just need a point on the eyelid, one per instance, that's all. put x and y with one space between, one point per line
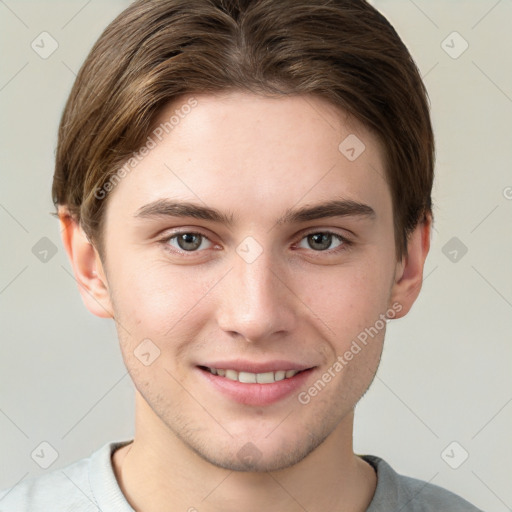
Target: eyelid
330 231
165 239
346 241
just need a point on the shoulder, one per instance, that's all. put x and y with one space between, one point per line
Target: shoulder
59 490
62 490
399 492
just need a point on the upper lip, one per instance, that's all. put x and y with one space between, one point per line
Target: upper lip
241 365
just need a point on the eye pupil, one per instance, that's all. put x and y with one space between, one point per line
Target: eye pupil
189 241
322 239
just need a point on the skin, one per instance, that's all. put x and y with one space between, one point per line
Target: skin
253 157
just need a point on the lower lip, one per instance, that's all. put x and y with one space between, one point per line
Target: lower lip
257 394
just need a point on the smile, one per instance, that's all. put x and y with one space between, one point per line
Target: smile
256 384
253 378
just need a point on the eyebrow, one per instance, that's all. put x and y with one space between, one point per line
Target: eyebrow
335 208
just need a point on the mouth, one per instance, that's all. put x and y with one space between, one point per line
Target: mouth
255 384
252 378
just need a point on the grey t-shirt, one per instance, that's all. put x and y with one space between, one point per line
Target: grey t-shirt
90 485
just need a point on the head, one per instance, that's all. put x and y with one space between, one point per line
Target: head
247 181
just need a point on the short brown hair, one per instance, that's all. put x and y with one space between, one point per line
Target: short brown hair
344 51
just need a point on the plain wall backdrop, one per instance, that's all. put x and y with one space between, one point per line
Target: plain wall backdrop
440 408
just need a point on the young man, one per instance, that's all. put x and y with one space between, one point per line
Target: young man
244 187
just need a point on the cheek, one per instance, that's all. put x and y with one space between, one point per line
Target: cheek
347 300
152 300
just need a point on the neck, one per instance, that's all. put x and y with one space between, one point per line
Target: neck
157 471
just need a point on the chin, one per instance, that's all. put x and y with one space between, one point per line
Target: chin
259 456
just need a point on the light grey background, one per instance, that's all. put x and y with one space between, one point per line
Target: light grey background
446 370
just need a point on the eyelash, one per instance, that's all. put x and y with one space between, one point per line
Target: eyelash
344 246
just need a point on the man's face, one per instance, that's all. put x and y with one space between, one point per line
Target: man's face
257 296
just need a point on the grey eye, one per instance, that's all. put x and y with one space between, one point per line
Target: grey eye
322 241
189 242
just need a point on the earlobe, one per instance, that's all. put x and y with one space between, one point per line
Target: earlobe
409 272
87 267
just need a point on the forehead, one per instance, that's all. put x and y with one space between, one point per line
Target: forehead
249 152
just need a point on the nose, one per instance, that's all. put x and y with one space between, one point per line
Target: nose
254 302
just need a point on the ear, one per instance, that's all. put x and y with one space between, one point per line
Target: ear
409 271
87 267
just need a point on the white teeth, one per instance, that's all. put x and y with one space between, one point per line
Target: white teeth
246 377
280 375
253 378
265 378
231 374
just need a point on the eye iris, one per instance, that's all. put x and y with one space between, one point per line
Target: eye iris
323 239
189 241
192 241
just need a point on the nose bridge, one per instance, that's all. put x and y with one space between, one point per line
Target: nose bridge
253 301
